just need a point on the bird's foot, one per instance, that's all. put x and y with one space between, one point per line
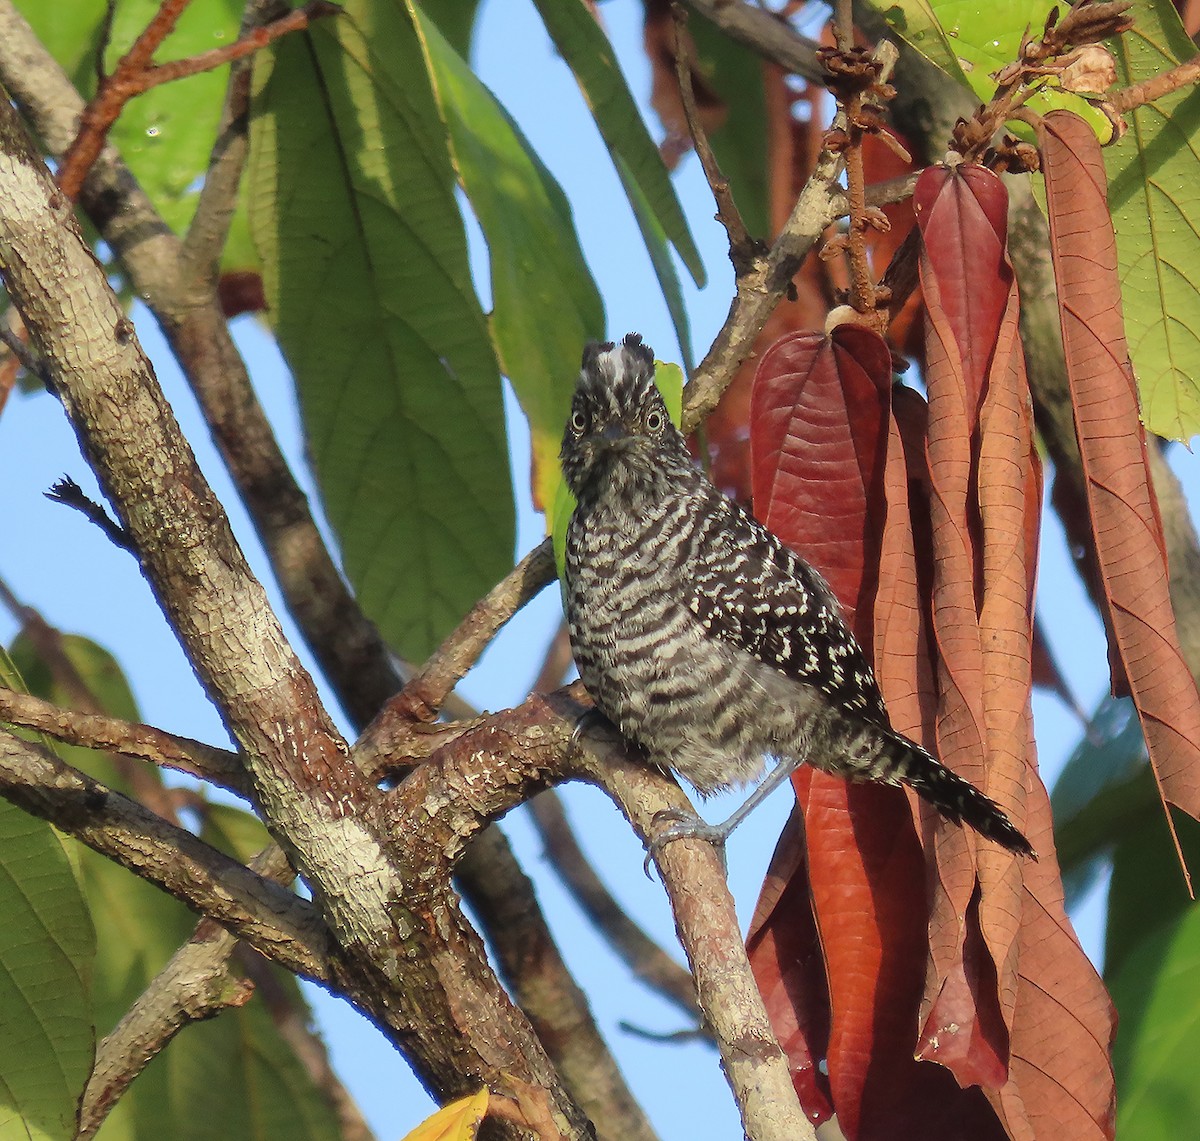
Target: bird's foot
673 824
588 719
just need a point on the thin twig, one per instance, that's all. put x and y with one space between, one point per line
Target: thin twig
422 698
31 363
743 248
67 492
1156 86
129 738
135 74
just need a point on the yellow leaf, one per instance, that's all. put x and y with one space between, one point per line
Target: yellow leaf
458 1121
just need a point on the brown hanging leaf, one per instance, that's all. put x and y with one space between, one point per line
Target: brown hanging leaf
1126 528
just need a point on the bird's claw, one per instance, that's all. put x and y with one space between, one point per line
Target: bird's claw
588 719
671 824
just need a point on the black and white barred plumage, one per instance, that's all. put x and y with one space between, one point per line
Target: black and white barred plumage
699 634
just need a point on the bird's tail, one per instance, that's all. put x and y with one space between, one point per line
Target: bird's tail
953 797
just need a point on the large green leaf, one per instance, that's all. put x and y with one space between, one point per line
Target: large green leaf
1154 194
365 268
970 41
590 56
232 1077
455 20
1157 991
545 304
47 946
1105 791
167 134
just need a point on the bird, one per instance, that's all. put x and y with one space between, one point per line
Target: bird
703 638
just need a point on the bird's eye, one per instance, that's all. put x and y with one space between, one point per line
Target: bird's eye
578 422
654 421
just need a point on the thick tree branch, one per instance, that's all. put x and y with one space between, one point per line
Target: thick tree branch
281 925
491 769
176 284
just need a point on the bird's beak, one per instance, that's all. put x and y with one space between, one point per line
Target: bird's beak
611 433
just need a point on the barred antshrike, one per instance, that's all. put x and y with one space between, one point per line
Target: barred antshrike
700 635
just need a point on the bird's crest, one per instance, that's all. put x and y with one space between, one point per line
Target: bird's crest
617 378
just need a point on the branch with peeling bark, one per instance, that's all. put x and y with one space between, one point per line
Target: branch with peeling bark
495 766
97 731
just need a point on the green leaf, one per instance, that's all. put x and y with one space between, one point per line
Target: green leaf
365 268
47 946
669 378
1154 195
660 258
455 20
232 1077
590 56
1157 991
545 303
971 41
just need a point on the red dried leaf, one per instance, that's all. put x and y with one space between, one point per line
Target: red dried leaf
1125 524
819 432
785 954
970 340
820 428
1060 1072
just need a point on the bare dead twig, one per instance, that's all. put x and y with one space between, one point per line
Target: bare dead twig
135 73
67 492
743 249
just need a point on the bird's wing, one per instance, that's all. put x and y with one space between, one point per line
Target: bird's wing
758 595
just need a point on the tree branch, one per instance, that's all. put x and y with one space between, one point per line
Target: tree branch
491 769
196 983
426 980
766 33
96 731
284 927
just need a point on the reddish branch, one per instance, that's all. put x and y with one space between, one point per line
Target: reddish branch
136 73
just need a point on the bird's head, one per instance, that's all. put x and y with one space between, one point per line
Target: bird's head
619 436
